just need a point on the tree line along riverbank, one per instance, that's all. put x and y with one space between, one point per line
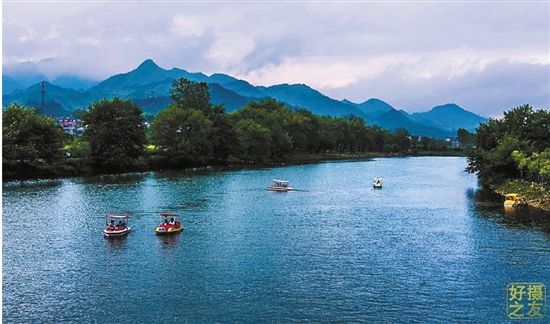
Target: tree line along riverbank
191 132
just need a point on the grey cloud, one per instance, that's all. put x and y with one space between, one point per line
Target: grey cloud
271 52
501 86
100 39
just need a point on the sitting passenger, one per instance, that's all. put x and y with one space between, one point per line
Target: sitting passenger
172 222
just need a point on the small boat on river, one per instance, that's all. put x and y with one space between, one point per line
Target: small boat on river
280 185
377 183
512 200
121 228
171 226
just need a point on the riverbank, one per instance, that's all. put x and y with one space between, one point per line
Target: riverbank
304 158
80 167
531 193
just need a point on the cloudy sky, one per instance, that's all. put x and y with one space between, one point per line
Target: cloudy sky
485 56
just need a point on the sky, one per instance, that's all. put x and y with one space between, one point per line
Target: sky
485 56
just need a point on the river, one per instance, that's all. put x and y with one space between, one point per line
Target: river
429 247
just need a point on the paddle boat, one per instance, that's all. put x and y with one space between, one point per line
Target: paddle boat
280 185
512 200
120 228
377 183
169 226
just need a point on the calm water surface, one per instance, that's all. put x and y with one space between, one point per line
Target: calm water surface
428 247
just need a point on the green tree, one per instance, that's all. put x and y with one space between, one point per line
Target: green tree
31 143
115 130
327 137
357 133
224 137
187 94
537 166
465 138
271 115
378 138
523 130
252 139
304 128
401 140
182 136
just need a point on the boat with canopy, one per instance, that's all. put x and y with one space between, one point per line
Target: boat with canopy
377 182
116 225
280 185
169 226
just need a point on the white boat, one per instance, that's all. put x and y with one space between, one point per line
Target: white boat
377 183
280 185
119 229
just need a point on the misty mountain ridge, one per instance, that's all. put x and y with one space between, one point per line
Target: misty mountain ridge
149 86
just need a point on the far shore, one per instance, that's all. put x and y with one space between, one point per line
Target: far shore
293 158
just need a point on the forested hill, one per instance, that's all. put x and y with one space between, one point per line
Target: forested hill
148 86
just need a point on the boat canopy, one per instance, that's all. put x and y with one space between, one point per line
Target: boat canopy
281 181
511 195
117 216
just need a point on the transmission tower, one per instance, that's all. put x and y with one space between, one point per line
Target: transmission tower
43 96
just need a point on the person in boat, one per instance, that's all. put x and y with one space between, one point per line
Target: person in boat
165 221
112 224
172 222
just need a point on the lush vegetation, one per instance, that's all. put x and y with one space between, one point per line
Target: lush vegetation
190 132
31 143
514 147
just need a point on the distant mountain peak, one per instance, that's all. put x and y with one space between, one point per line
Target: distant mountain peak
451 117
374 106
448 106
375 100
150 85
148 65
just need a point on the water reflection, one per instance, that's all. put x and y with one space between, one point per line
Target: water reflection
116 178
430 246
489 205
35 184
117 241
527 217
168 240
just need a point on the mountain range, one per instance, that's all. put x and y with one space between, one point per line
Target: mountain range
149 87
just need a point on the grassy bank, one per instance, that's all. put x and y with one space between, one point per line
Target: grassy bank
531 193
302 157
